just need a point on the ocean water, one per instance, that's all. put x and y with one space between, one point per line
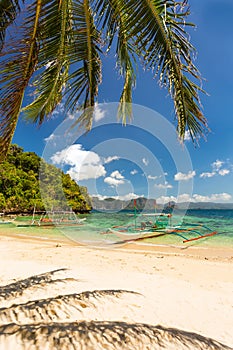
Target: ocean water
94 230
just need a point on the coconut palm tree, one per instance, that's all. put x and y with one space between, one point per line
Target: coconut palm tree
54 48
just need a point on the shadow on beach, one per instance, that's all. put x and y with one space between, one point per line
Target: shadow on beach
88 320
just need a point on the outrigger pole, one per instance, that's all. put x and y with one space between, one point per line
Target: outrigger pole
177 232
199 237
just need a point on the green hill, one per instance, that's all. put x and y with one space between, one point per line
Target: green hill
20 187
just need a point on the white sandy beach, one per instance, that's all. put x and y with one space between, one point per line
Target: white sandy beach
189 290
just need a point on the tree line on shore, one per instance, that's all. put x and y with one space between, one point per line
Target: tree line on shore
24 176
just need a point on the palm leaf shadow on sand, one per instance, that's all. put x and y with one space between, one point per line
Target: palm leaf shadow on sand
102 335
17 288
86 305
42 324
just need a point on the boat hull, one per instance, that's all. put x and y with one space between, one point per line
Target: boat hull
128 235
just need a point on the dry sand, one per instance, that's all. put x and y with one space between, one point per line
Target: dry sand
114 299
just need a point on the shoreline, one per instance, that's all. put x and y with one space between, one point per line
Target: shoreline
199 252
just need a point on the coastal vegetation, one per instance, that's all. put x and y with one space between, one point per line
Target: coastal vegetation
20 185
53 51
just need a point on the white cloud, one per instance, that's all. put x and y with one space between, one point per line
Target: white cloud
70 116
87 171
165 185
207 174
134 172
224 172
217 164
84 164
112 181
125 197
145 161
165 199
67 155
200 198
151 177
110 159
184 177
217 170
187 136
115 179
116 174
50 138
98 113
221 197
184 197
60 109
128 197
216 197
99 196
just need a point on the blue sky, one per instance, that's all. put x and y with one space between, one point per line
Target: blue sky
148 167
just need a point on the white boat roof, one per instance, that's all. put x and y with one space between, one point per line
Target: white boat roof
153 214
157 214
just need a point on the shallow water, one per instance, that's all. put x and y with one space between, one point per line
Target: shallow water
91 232
216 220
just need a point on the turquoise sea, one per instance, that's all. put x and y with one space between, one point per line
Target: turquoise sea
92 232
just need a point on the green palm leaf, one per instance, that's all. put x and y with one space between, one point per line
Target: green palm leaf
57 51
112 18
9 10
16 67
86 70
53 60
159 29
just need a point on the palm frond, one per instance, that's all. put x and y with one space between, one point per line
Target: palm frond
53 61
9 10
86 72
112 16
124 61
159 30
61 42
16 68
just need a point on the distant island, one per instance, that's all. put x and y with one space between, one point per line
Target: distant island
20 189
143 203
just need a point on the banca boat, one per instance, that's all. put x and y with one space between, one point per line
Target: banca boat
159 226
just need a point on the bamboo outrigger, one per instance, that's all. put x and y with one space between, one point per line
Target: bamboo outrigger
161 226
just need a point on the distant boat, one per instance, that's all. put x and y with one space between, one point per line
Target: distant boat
54 218
4 221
